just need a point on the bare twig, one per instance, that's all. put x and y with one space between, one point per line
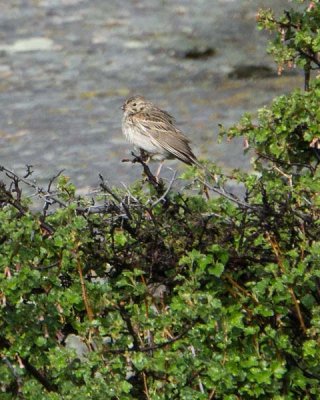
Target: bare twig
282 162
276 249
164 196
287 176
107 188
241 289
44 267
53 179
84 291
29 171
130 195
193 352
23 210
135 336
145 384
40 191
310 57
212 394
228 196
158 185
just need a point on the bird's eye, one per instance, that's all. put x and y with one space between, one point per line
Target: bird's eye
134 104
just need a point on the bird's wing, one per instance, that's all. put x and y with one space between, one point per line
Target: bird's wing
160 128
177 145
156 120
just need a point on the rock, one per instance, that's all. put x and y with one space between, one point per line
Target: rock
30 44
200 53
251 71
77 344
195 53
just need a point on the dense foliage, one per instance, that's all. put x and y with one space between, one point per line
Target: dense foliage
157 293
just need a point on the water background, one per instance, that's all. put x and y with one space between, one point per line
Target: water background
66 67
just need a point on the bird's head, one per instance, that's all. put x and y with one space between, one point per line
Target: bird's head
135 104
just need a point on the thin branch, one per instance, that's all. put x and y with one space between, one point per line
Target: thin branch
212 394
40 191
145 384
135 337
23 210
282 162
305 371
228 196
287 176
41 378
29 171
51 387
130 195
14 373
241 289
158 185
193 352
276 249
164 196
106 188
45 267
310 57
53 179
84 292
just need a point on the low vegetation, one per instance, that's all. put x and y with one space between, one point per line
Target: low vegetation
155 293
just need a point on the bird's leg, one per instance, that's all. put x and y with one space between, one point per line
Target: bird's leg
158 170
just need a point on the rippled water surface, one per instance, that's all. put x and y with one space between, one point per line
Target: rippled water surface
66 66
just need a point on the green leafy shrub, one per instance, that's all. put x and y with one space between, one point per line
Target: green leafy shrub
151 293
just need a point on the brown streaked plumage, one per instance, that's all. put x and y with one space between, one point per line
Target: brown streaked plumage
154 131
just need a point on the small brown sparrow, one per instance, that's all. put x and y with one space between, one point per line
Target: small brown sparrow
154 131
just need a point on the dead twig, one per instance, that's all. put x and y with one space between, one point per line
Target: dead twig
164 196
107 188
40 191
84 290
276 249
241 289
158 185
228 196
282 162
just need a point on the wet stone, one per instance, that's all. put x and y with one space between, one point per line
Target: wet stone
200 53
252 72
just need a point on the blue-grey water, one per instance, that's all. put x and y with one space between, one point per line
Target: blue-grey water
66 67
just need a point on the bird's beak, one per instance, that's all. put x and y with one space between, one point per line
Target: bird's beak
122 107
